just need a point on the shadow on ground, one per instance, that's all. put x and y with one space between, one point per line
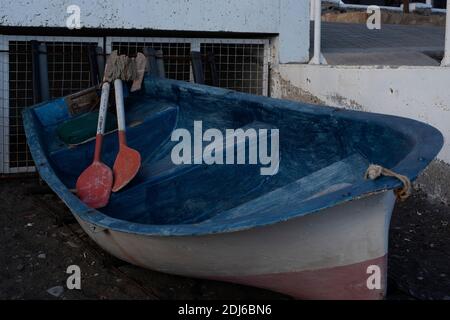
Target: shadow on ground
40 239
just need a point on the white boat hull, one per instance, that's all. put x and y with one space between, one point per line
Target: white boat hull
324 255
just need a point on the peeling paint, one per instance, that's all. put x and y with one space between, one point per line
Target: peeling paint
419 93
344 102
285 90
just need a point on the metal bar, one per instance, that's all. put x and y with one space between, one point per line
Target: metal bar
100 62
197 67
43 72
160 64
212 66
151 67
446 61
93 65
35 71
317 57
4 104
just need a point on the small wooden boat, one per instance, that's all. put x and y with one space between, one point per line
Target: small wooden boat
314 230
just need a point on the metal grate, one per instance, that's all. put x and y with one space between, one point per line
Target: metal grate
68 72
242 64
68 68
240 67
20 96
176 56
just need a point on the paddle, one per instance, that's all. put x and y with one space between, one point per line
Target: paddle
94 184
128 160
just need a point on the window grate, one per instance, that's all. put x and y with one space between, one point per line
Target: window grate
239 66
68 72
68 68
242 65
20 96
176 56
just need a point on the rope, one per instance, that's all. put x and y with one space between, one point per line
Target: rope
375 171
121 67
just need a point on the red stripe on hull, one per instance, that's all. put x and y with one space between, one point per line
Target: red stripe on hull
338 283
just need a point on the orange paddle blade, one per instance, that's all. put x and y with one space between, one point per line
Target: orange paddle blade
94 185
126 167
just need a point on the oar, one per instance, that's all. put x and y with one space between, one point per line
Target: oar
128 160
94 184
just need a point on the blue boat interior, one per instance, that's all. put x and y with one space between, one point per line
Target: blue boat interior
323 151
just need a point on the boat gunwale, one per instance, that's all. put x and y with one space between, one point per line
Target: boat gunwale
427 141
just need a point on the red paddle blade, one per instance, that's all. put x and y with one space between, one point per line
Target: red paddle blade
94 185
126 167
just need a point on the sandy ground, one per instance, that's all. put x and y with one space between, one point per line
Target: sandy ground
39 239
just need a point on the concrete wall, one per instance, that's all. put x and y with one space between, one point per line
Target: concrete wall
420 93
288 18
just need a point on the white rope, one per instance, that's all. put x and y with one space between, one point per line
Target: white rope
121 67
375 171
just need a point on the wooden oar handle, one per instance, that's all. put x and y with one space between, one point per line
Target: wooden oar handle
103 108
118 89
101 121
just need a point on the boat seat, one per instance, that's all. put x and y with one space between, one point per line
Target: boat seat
139 204
339 175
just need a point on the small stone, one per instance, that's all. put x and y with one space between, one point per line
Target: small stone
20 267
28 225
420 278
73 245
42 256
56 291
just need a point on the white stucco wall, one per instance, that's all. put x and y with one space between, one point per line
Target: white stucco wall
288 18
420 93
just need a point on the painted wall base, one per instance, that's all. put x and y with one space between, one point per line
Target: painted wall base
419 93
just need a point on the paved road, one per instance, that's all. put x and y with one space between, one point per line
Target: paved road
349 43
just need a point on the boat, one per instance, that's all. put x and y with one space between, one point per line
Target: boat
314 228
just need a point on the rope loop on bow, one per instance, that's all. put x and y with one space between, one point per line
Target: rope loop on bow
375 171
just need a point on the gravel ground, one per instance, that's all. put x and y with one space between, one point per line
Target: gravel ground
40 239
